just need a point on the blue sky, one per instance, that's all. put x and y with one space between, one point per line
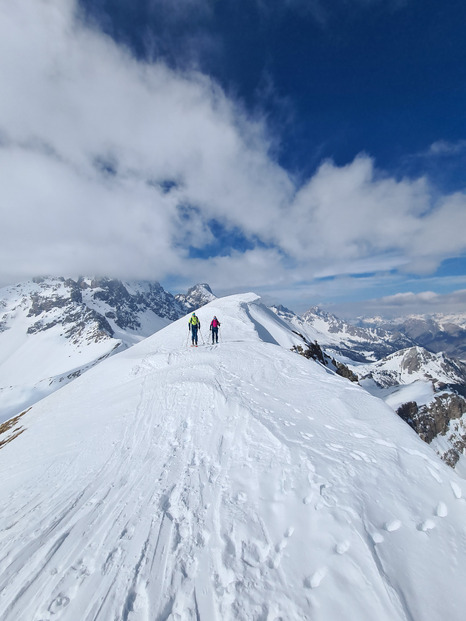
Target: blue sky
311 151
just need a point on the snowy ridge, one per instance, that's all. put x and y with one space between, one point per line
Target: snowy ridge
230 482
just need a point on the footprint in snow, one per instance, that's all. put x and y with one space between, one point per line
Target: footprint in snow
241 498
442 510
426 525
434 475
377 538
312 582
61 601
385 443
392 525
456 490
342 547
360 456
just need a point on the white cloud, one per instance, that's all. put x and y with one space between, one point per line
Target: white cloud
406 303
353 216
72 98
424 302
444 148
88 134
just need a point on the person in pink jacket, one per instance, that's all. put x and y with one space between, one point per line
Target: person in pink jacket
214 326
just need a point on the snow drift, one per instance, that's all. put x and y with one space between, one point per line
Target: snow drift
238 481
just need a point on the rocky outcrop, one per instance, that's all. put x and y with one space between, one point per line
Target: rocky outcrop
344 371
441 417
314 351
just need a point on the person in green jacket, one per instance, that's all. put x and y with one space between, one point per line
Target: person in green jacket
193 326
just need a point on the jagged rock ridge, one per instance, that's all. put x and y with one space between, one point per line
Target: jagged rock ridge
356 343
197 296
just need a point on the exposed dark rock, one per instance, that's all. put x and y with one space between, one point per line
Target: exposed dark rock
344 371
434 418
41 304
197 296
314 351
408 412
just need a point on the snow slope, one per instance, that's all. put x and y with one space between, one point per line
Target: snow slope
231 482
54 329
35 361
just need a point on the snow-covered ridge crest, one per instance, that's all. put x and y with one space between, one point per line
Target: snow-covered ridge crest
233 482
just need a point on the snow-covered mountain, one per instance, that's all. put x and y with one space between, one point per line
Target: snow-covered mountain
197 296
53 329
414 364
426 390
233 482
352 342
438 333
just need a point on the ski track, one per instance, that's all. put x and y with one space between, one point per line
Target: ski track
170 525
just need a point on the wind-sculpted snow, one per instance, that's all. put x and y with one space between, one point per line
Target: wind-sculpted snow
230 482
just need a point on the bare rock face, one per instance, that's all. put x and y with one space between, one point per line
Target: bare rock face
314 351
87 309
441 417
197 296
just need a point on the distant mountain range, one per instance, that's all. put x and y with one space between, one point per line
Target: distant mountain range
438 333
360 344
54 329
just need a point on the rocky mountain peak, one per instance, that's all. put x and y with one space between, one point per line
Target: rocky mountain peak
197 296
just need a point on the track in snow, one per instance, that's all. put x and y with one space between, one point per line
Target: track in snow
218 483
